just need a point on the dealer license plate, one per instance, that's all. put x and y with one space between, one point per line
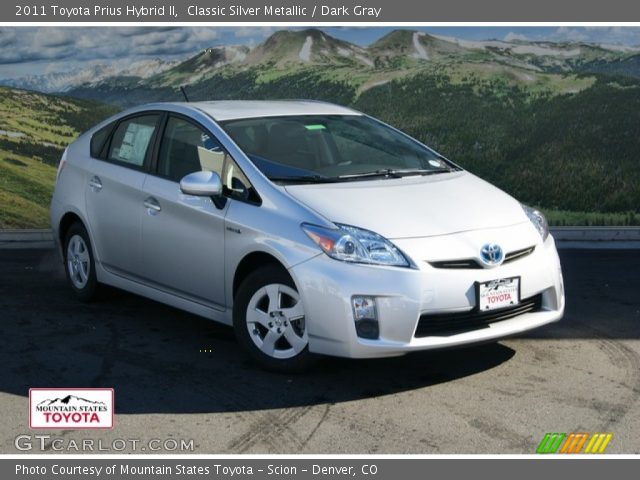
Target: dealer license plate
496 294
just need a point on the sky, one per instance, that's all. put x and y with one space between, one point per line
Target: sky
41 50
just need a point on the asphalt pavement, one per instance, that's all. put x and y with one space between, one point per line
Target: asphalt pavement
177 376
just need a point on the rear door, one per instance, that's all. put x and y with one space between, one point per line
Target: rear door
114 196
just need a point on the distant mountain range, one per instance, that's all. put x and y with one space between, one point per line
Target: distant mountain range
92 75
556 124
402 50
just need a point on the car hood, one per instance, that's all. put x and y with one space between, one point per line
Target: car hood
413 207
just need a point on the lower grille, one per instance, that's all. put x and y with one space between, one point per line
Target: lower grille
467 263
447 324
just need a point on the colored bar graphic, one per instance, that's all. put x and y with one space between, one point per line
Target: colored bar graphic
569 443
550 442
598 443
581 442
574 442
590 444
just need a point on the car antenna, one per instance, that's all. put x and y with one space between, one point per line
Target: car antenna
184 93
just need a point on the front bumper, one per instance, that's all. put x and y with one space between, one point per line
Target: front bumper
403 295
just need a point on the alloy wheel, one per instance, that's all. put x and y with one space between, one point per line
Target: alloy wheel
275 320
78 262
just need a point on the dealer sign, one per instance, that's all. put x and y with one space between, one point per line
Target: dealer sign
70 408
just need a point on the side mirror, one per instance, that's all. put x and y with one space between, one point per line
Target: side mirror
202 184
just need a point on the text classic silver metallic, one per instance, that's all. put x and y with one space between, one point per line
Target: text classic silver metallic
309 227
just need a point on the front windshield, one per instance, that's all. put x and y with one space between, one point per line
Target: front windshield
330 148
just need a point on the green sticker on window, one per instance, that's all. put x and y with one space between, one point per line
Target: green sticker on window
315 127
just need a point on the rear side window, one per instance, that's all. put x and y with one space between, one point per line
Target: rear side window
98 140
132 139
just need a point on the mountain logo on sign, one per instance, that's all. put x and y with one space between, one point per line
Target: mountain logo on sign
71 408
69 400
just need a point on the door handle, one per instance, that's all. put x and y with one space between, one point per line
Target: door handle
152 205
95 184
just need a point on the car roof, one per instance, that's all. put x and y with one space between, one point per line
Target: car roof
237 109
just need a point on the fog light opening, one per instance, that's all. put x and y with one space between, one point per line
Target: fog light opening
365 316
368 329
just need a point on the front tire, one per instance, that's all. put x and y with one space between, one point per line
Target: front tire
269 321
79 263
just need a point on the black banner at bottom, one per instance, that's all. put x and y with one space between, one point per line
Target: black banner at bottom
321 468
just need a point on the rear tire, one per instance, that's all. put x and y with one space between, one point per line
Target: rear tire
269 321
79 264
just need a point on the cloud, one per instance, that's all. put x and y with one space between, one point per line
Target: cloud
53 38
7 37
570 34
137 31
170 38
205 34
612 35
81 44
512 36
39 48
245 32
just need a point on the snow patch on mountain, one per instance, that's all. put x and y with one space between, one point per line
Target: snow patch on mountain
519 48
239 55
543 51
619 48
365 60
305 51
420 50
478 45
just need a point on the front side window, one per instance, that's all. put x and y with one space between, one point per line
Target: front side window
328 147
186 148
131 140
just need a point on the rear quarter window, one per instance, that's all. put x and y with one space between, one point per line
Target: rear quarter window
132 138
99 139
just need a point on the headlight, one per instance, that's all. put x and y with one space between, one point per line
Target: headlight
538 220
352 244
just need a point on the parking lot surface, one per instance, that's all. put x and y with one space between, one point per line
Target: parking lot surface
178 376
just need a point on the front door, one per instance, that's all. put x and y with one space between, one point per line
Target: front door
183 235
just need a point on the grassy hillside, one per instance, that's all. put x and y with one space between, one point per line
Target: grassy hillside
555 124
34 129
576 152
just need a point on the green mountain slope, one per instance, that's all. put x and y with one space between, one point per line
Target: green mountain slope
628 66
34 129
314 56
555 124
571 152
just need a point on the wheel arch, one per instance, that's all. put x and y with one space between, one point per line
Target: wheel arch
65 223
251 262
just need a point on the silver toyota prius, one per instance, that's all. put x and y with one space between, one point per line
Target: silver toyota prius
310 227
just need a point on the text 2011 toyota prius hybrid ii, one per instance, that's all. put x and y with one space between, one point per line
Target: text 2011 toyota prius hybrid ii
309 227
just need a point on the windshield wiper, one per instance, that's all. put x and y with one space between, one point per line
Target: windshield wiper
305 179
399 173
386 173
